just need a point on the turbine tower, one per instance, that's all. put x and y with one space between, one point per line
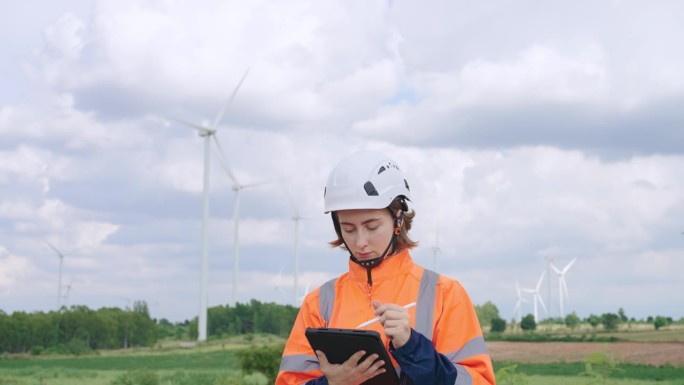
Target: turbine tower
207 133
549 262
237 187
562 286
296 218
59 282
435 251
537 297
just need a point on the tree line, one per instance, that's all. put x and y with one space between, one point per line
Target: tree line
78 329
488 314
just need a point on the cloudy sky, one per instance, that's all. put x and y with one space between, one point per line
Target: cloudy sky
528 131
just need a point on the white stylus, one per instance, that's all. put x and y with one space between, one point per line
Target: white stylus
376 319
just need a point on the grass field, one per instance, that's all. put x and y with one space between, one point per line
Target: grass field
215 363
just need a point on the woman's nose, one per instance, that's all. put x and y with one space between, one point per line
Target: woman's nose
361 239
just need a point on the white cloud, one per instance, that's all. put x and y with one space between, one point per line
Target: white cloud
521 137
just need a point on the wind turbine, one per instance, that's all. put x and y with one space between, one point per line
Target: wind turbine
537 297
518 304
435 251
296 218
237 187
306 291
562 286
277 285
61 265
207 133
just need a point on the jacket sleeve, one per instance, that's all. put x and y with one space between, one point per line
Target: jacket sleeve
458 337
420 362
299 364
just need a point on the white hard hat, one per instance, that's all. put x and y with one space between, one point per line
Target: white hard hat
365 180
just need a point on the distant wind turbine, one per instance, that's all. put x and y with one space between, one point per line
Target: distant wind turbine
207 133
300 300
296 218
277 285
518 304
435 251
537 297
562 286
237 187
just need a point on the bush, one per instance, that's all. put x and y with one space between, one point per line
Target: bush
261 359
599 366
661 321
572 320
508 376
610 321
196 378
528 322
138 377
255 379
498 325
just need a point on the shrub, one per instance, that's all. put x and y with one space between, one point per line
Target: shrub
261 359
599 366
508 376
572 320
528 322
610 321
255 379
661 321
498 325
138 377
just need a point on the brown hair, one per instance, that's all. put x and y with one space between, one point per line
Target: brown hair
403 240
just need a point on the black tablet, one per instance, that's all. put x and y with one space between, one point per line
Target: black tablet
340 344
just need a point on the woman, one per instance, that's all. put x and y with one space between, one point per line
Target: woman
439 341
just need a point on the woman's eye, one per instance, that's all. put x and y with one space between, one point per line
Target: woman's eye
373 228
348 230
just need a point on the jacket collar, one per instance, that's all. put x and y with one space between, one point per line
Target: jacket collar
389 268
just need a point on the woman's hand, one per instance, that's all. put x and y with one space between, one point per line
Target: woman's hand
396 321
353 371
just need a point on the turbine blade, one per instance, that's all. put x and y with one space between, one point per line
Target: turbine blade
201 129
230 101
567 267
262 182
555 268
541 301
223 161
541 278
53 248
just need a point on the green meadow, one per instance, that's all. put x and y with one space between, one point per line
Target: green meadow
216 363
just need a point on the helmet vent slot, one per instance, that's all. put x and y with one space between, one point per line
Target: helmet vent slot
370 189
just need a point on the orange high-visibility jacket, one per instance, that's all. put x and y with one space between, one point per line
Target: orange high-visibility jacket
444 314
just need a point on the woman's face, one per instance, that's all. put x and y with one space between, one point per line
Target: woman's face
366 232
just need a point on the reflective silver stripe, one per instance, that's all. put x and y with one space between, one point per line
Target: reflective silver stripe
425 308
299 363
473 347
326 300
462 376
